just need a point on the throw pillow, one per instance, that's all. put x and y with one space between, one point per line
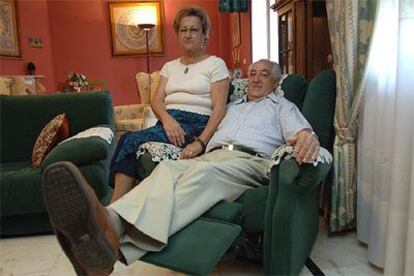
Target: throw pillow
55 131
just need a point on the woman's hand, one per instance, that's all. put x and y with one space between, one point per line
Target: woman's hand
175 133
191 150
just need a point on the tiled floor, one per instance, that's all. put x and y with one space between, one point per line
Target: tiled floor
41 255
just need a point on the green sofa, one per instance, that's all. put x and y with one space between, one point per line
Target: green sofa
280 220
22 119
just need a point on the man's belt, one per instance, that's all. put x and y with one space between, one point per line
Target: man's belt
238 148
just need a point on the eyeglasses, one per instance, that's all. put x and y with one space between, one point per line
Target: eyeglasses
191 31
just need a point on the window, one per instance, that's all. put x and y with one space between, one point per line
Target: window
264 31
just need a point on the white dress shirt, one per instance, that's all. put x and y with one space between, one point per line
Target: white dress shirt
261 125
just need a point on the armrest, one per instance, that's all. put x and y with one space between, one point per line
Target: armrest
291 216
129 112
79 151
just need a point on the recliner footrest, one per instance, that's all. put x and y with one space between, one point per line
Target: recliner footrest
226 211
197 248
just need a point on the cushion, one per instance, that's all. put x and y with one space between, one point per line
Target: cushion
197 248
55 130
19 190
238 89
130 125
142 83
80 152
294 87
5 85
18 86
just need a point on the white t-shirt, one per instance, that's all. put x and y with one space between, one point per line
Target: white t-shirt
188 87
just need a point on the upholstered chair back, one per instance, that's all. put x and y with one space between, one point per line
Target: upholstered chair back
143 79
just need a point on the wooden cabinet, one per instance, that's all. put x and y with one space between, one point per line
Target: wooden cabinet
304 44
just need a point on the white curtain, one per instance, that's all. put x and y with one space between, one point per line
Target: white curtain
385 218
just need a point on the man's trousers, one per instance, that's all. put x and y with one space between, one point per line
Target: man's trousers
178 192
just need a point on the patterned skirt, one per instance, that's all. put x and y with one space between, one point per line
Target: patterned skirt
125 160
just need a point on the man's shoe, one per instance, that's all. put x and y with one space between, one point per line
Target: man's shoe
82 225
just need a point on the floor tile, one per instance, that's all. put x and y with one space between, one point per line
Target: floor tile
41 255
354 270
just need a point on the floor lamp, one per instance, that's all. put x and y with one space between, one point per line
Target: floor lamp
146 20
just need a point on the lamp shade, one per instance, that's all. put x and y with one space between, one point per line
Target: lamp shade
146 15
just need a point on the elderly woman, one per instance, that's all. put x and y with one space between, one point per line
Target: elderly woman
189 103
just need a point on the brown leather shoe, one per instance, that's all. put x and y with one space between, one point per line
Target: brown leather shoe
82 225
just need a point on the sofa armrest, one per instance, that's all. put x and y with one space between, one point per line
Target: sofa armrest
292 215
80 151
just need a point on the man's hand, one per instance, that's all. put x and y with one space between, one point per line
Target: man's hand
306 146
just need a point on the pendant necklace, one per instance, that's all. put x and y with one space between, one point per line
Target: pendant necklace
186 70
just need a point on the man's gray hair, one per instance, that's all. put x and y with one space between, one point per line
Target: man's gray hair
275 70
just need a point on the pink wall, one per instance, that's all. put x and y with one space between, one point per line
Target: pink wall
81 41
76 37
33 21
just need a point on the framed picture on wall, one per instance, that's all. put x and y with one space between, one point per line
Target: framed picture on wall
235 29
9 32
127 37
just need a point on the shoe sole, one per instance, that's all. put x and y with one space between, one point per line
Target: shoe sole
73 217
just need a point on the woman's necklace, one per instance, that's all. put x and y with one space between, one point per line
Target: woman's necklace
187 66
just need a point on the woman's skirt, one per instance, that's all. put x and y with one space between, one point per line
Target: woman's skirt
125 160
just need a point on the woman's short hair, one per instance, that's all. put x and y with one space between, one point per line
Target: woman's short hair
193 11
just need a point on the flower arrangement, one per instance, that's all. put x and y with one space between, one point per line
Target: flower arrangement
75 82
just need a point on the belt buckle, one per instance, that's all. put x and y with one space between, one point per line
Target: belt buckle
228 147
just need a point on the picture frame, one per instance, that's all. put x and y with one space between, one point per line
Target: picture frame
235 29
9 35
129 39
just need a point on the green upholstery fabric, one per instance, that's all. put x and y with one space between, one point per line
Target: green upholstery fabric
18 225
319 106
78 151
225 211
253 202
20 189
295 87
291 216
197 248
22 119
146 166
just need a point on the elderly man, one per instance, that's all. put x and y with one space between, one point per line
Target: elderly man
177 192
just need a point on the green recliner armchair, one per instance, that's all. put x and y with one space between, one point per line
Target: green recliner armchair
281 219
